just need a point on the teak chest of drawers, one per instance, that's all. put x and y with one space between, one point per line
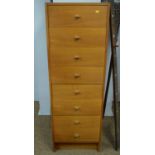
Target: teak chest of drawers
77 38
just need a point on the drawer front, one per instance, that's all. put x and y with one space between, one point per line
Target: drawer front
76 92
76 128
77 37
77 56
74 75
77 16
77 107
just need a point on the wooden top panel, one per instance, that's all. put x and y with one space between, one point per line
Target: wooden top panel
80 4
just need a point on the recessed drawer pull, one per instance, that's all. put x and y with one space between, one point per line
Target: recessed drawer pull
76 75
77 16
76 38
76 92
76 108
76 135
76 122
76 57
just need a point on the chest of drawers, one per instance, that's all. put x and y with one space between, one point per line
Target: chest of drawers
77 38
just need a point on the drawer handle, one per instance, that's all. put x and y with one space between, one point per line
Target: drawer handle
76 75
76 108
76 92
76 122
76 38
77 16
76 57
76 135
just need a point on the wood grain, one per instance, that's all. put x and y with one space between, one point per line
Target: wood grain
77 39
76 145
77 56
107 4
88 16
77 75
77 92
65 37
87 130
66 99
62 108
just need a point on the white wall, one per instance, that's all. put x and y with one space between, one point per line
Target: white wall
41 90
41 84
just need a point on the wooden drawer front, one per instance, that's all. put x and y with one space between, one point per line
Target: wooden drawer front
77 56
76 128
77 16
77 37
83 75
76 92
77 107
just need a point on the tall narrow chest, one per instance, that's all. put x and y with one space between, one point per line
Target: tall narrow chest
77 38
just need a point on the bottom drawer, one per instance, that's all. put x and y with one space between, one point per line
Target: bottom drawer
76 129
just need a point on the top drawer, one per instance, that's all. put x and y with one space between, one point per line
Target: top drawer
77 16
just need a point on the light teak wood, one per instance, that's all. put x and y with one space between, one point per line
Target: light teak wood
74 75
67 129
77 37
77 99
76 145
79 16
77 56
77 107
77 92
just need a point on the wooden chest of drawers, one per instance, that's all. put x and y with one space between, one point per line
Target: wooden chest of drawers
77 38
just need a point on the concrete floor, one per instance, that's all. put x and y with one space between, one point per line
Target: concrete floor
43 144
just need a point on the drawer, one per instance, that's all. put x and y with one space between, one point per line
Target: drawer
77 56
76 128
77 99
76 92
74 107
77 16
77 37
77 75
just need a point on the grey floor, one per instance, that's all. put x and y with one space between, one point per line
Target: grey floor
42 139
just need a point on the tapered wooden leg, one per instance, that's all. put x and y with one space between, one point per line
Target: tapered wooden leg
99 147
54 147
